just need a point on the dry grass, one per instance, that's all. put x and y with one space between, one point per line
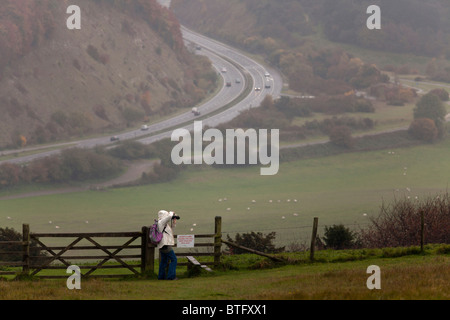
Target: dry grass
412 277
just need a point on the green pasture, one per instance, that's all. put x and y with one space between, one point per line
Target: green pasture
338 275
385 118
347 189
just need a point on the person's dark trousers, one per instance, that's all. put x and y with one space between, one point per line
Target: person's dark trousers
165 257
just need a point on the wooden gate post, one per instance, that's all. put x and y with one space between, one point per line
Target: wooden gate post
217 241
26 248
147 253
422 230
313 239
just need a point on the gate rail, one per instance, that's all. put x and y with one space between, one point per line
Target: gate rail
57 256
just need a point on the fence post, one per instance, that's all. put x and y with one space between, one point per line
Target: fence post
422 230
313 239
26 248
147 253
217 241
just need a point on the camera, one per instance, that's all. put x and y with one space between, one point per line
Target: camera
175 217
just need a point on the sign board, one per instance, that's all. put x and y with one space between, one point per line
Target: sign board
185 241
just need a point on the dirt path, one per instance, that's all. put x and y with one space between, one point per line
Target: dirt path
134 172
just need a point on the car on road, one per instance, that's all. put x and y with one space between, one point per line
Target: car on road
257 89
144 127
228 83
115 138
266 74
237 80
224 70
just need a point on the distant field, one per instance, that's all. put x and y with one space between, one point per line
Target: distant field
338 189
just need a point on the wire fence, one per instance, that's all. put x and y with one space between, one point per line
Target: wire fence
294 237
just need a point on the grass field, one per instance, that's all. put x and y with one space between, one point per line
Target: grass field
341 275
337 189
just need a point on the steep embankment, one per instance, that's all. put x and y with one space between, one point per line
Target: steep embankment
126 65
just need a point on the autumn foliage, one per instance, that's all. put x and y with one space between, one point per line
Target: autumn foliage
72 165
424 129
399 224
24 24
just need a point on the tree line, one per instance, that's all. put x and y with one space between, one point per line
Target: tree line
75 164
79 164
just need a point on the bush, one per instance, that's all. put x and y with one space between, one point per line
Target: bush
341 136
162 172
424 129
47 170
430 106
441 93
93 52
338 237
256 241
399 224
132 150
10 175
293 107
9 234
81 164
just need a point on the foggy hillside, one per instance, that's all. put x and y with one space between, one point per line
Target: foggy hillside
126 65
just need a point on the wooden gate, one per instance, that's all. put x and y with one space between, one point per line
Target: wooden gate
109 253
139 258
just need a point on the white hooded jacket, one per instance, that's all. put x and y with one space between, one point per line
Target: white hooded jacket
165 220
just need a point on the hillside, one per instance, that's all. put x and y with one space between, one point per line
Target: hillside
126 65
304 38
408 26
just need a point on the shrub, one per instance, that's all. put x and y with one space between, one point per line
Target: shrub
293 107
441 93
256 241
399 224
47 170
9 234
341 136
338 237
80 164
131 115
363 105
9 175
131 150
161 173
430 106
93 52
424 129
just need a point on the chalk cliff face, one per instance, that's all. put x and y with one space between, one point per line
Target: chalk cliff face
127 64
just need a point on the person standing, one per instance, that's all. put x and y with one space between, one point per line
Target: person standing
166 222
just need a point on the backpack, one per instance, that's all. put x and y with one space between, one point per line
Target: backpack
154 235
